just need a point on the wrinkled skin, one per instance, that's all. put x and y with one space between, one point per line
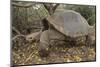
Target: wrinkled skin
53 37
47 39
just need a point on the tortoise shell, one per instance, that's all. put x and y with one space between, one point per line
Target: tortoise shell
69 22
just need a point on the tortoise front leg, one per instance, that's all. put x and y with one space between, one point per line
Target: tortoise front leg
44 44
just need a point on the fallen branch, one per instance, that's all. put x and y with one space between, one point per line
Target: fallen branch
30 56
18 36
29 37
50 7
13 28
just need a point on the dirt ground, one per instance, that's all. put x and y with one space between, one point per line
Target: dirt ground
27 53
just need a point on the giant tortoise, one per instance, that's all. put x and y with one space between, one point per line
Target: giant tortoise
65 27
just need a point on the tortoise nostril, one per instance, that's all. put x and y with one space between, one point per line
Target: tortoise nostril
30 38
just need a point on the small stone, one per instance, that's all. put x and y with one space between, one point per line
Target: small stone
39 60
68 60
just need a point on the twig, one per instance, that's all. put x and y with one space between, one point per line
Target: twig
13 28
18 36
90 17
29 57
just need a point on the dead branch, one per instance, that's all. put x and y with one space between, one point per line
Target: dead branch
50 7
13 28
27 59
47 6
20 35
55 7
90 17
29 37
34 27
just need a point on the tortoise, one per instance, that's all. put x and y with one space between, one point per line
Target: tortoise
65 27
